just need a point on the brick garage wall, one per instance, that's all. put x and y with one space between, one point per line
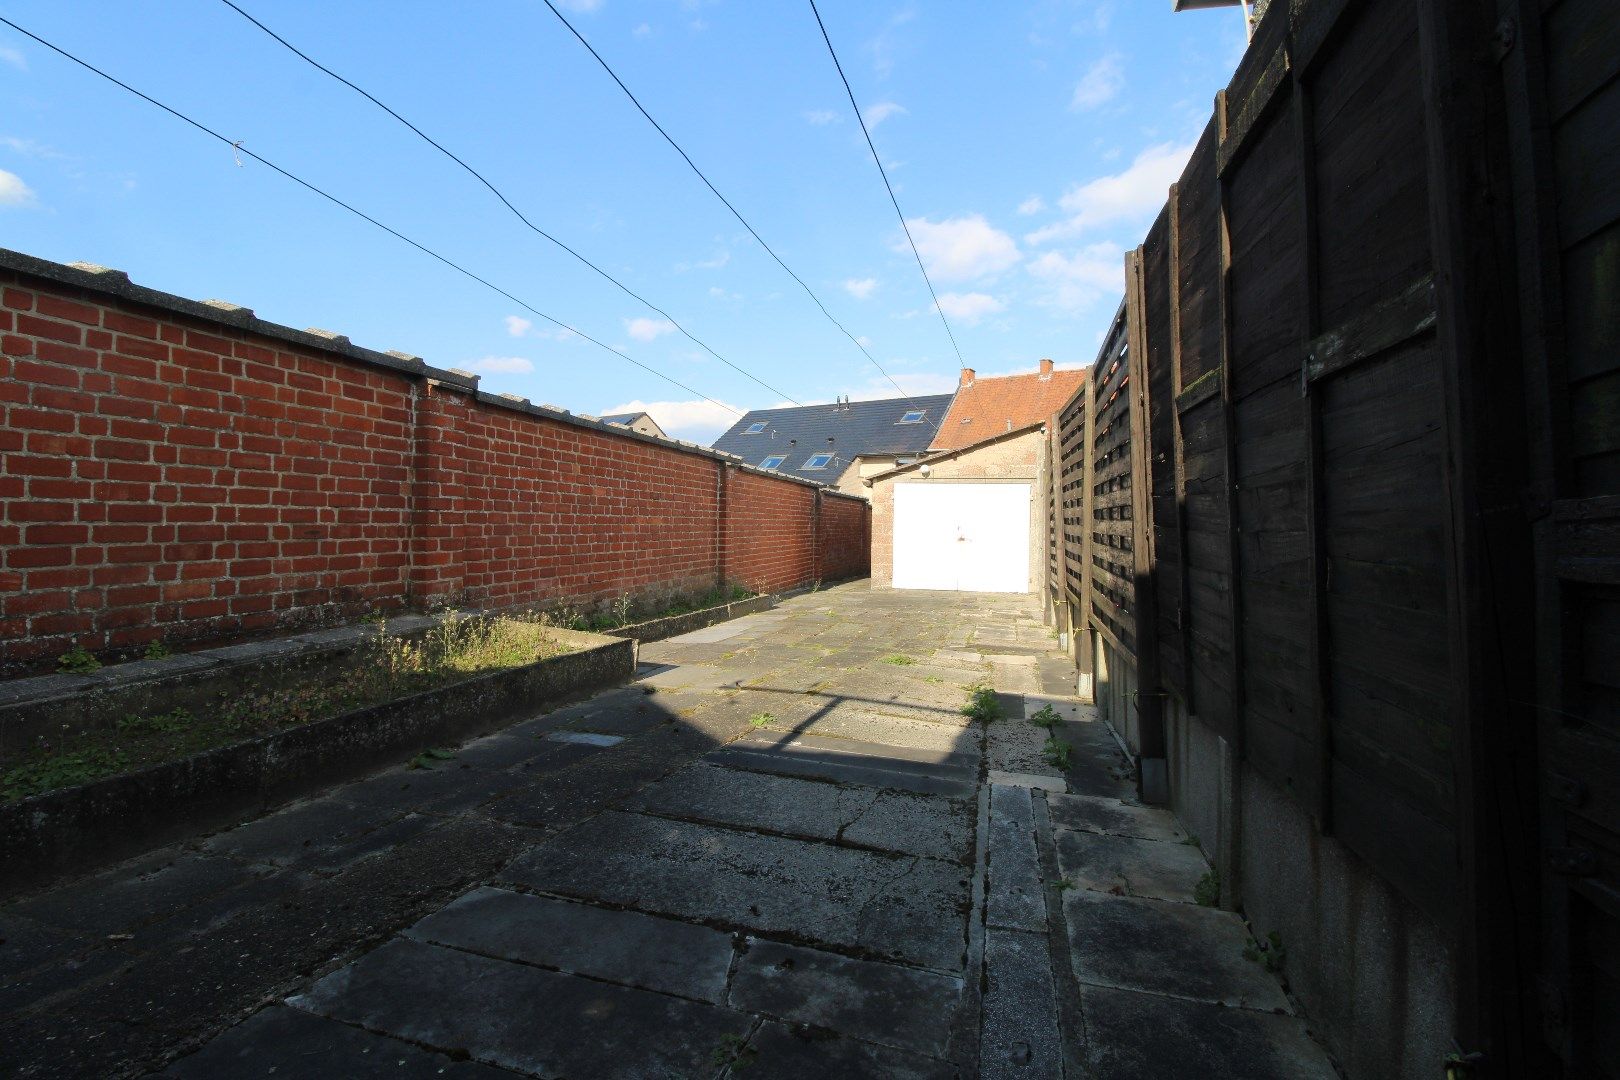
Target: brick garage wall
175 471
845 539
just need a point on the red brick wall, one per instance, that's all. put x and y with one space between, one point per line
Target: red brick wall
167 477
845 543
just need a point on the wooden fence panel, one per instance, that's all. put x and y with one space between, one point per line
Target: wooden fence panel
1200 405
1111 600
1373 371
1270 433
1163 455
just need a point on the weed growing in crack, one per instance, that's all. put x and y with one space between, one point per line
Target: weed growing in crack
426 758
1047 718
1208 890
899 660
1269 954
1064 885
733 1051
982 704
935 679
760 720
77 661
157 651
1057 752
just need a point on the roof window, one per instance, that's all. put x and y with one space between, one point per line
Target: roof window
913 416
755 429
818 461
773 462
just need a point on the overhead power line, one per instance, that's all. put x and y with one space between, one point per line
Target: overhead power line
724 201
290 47
888 186
237 146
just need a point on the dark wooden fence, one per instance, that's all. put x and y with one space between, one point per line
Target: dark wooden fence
1344 485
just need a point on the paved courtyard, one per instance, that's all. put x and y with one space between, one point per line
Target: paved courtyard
782 852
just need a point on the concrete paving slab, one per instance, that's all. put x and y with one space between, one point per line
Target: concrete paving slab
624 947
1035 781
289 1044
443 787
1131 1036
700 677
1017 746
1019 1037
845 720
889 820
1090 813
952 759
135 893
1066 707
1168 948
844 768
1164 871
794 1052
319 834
584 738
904 907
1015 897
881 1003
603 778
504 750
710 634
522 1018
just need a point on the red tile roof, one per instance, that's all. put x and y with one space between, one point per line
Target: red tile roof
987 407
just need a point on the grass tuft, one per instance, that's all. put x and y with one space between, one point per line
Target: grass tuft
982 704
899 660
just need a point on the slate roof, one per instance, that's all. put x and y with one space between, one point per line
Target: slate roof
984 408
625 418
857 428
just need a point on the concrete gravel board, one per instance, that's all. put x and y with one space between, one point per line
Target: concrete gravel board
522 1018
902 907
1156 945
881 1003
625 947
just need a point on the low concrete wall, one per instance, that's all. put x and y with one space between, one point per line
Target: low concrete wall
1372 972
75 829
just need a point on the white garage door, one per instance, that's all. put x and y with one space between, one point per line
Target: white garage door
968 537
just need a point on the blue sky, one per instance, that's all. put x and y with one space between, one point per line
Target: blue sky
1030 145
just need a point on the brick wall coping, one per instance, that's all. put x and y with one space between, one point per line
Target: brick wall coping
116 283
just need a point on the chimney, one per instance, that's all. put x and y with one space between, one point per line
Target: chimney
1046 369
967 376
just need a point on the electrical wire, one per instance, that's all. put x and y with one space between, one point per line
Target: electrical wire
887 186
290 47
724 201
237 146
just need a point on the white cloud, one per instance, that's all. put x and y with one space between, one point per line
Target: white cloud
1135 193
913 383
860 288
961 248
1101 83
714 262
717 293
13 57
821 117
13 192
580 5
969 307
642 29
1075 281
863 341
1032 205
695 421
876 114
33 149
517 325
502 365
644 329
